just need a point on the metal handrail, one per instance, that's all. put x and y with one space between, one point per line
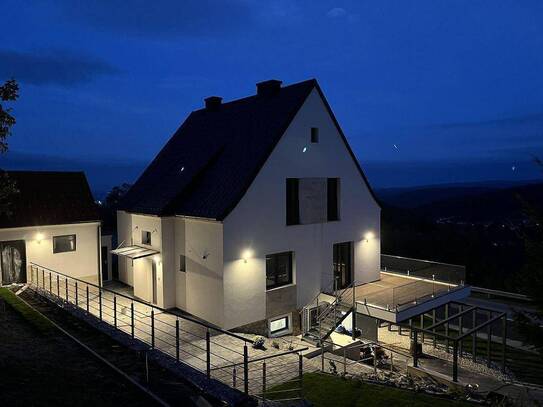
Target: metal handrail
194 320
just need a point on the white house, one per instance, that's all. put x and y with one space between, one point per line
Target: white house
53 222
249 211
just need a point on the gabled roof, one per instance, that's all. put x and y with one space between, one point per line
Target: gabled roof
209 163
49 198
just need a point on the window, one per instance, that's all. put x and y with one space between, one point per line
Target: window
314 134
145 237
182 263
333 199
63 244
278 270
312 200
279 324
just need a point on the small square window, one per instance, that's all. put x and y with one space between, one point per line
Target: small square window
314 134
278 325
182 263
62 244
145 237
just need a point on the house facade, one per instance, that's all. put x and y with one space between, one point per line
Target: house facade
53 222
274 209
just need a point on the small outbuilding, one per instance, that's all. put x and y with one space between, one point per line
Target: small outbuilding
52 222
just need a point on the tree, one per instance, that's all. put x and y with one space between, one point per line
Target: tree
9 92
531 280
115 195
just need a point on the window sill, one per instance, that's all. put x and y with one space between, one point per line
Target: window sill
280 287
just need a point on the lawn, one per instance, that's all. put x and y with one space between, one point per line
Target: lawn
325 390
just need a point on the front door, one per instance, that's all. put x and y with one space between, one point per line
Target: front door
343 264
13 262
105 264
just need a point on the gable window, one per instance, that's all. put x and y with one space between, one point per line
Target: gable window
312 200
278 270
182 263
145 237
62 244
314 134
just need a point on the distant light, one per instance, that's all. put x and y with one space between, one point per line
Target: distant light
513 168
246 255
182 169
39 237
304 150
395 146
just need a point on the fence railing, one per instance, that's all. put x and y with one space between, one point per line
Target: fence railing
217 353
430 270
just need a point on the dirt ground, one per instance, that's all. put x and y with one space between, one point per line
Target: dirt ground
40 368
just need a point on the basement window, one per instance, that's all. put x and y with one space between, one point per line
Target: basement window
314 134
145 237
278 325
62 244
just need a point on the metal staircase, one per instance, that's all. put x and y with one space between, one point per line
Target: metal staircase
326 312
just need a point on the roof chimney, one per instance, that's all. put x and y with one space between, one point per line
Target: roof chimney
213 103
268 88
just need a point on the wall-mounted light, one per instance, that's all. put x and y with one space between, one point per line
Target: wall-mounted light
39 237
246 255
156 259
304 149
368 236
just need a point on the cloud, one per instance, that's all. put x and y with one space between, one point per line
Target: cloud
163 18
52 67
336 12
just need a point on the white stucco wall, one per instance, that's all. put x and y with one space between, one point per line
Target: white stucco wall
258 222
83 263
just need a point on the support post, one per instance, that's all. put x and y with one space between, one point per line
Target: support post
177 340
322 357
50 283
43 278
422 325
76 295
115 311
415 352
208 354
504 340
301 372
58 286
353 322
344 361
433 329
489 341
100 302
132 318
474 337
234 374
447 327
455 361
460 331
152 328
410 327
66 288
245 369
263 379
87 299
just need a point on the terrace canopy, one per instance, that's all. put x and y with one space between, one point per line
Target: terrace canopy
135 252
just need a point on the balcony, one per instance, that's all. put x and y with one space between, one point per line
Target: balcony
408 287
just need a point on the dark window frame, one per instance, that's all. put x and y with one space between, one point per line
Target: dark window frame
277 283
314 135
333 189
56 251
182 263
147 234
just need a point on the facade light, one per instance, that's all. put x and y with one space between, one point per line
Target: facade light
39 237
246 255
368 236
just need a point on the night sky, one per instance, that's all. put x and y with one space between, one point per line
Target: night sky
426 91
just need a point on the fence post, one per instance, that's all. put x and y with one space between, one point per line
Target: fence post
100 301
87 290
263 378
43 279
115 311
455 361
504 340
66 288
415 351
245 369
474 339
488 341
234 377
177 340
152 328
322 357
132 318
447 327
375 360
391 362
76 296
208 354
460 331
344 362
50 283
58 286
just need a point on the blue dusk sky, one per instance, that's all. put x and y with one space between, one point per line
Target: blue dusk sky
427 91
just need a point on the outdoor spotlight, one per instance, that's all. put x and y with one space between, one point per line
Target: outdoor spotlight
304 150
39 237
156 259
246 255
369 236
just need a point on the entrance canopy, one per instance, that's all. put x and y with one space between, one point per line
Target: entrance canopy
134 252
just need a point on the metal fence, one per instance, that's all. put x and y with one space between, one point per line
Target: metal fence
219 354
429 270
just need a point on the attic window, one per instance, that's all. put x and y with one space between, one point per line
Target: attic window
314 134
